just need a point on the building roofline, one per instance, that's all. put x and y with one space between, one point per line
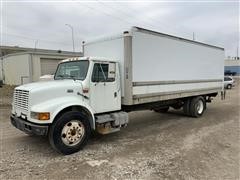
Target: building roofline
43 53
32 49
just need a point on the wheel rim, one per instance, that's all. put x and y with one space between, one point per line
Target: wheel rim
200 107
73 132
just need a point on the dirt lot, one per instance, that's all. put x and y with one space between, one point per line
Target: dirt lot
153 146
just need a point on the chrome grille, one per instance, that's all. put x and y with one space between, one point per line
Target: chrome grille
21 99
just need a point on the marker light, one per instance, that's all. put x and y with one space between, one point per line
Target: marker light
40 115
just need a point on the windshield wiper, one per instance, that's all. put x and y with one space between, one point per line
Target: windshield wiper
60 76
66 77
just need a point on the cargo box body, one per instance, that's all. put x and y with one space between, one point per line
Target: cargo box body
156 66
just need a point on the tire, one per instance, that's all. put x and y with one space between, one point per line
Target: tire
162 110
229 86
186 107
197 106
69 133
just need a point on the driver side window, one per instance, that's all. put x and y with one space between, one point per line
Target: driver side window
100 73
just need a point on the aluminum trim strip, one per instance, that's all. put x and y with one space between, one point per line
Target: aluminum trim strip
217 89
154 83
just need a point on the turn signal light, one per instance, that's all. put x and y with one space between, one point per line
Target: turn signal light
44 116
40 115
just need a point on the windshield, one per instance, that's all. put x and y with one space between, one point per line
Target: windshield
72 70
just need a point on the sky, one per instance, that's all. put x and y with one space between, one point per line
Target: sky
42 23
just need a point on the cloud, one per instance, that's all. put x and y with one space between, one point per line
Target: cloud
216 23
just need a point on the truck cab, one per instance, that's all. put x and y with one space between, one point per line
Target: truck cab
98 80
83 91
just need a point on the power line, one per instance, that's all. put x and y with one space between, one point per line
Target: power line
154 24
34 39
169 27
114 16
123 12
105 13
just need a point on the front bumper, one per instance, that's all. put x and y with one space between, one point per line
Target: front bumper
28 127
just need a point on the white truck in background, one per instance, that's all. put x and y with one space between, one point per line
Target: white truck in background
136 70
46 77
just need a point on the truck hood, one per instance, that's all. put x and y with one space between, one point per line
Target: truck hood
49 90
42 85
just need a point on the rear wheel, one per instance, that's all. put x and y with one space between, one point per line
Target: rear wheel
197 106
69 133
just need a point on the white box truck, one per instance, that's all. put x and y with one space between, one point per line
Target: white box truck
136 70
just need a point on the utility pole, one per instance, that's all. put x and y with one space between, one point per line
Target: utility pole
72 36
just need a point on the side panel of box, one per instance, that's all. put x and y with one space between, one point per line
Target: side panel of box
164 66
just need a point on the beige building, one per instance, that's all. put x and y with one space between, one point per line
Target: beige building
24 67
5 50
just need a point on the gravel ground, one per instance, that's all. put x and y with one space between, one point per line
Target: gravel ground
153 146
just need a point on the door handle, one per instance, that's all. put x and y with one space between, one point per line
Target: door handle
115 94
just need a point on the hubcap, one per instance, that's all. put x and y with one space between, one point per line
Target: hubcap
200 107
72 133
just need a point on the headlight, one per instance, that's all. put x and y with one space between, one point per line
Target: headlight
40 115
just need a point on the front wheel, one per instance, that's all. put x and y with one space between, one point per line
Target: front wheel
69 133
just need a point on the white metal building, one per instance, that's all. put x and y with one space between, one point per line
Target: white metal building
25 67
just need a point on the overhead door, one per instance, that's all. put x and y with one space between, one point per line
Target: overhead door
49 66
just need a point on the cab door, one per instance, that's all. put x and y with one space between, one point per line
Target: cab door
105 93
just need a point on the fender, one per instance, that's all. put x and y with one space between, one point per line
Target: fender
54 106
